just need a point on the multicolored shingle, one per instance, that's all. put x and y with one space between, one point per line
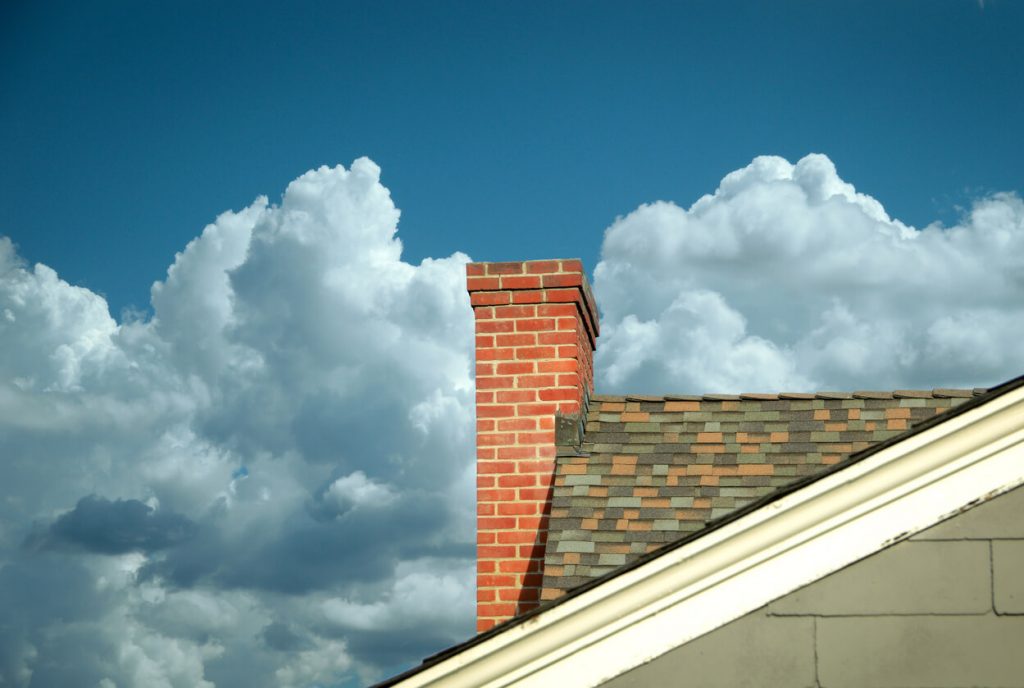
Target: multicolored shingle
652 469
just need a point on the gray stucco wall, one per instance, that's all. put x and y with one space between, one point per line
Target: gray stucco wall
944 609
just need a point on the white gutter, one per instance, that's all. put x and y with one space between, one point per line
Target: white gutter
743 565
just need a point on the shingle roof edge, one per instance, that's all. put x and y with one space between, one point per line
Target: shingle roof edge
938 393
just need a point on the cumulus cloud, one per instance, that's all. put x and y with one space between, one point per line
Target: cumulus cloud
356 490
788 279
270 481
124 525
183 494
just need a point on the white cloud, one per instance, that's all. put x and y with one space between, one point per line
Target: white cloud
285 448
421 595
356 490
322 664
287 428
786 278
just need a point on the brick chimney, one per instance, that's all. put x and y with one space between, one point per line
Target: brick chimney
536 326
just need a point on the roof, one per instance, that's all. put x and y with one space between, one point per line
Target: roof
799 533
652 469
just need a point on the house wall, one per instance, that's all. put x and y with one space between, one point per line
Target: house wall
944 609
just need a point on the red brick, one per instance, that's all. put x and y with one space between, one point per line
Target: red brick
485 481
486 566
517 480
486 595
496 440
536 466
504 354
493 581
517 424
495 552
522 282
570 280
516 395
495 382
483 313
557 310
558 394
498 495
558 296
499 610
562 365
511 508
535 523
567 351
490 298
483 283
515 312
485 397
511 594
516 566
474 269
540 493
502 411
486 467
546 409
572 265
541 266
517 452
527 297
486 538
504 268
534 324
535 381
484 369
488 426
521 339
570 380
535 437
535 352
528 595
490 326
485 509
560 337
569 407
499 523
516 368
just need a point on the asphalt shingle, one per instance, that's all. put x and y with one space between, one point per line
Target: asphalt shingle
650 470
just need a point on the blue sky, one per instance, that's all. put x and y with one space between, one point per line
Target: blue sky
236 391
504 129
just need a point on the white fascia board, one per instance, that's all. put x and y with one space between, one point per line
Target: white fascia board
747 563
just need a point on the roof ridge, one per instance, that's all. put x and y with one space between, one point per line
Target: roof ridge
936 393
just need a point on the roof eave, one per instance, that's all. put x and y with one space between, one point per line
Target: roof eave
687 591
